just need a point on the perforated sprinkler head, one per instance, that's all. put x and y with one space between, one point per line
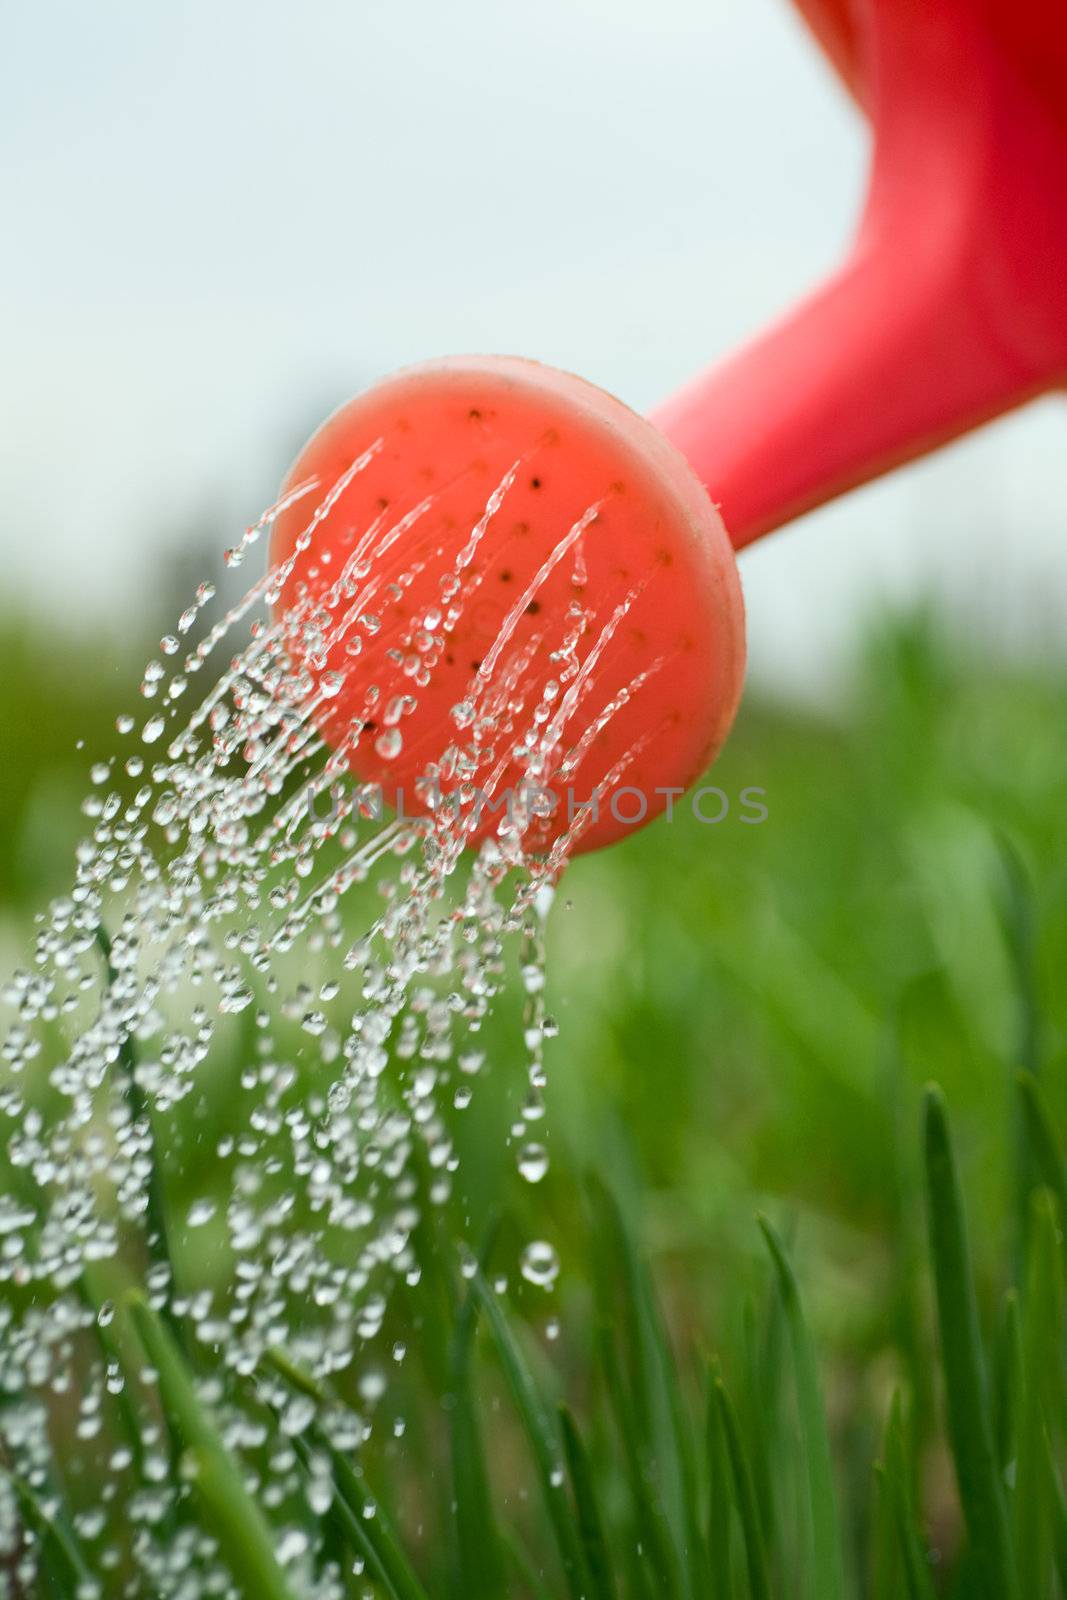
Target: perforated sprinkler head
514 599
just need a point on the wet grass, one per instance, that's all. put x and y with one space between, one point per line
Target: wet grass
680 1517
860 1394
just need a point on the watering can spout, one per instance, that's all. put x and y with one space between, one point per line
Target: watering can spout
950 308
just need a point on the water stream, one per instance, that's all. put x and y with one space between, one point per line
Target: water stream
208 930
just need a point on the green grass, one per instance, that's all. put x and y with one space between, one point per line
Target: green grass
866 1398
716 1543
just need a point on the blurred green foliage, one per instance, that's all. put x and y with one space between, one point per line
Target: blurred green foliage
54 695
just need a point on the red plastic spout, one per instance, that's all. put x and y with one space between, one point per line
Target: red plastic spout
952 306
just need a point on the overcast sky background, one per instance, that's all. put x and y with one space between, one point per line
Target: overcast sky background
221 220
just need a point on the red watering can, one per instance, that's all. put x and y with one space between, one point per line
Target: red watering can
952 306
529 529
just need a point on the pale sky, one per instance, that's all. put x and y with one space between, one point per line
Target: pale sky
221 220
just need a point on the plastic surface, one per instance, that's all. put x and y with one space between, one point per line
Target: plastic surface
952 306
449 572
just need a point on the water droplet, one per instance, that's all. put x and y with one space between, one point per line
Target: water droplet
298 1415
372 1386
539 1264
291 1546
237 998
320 1494
533 977
533 1161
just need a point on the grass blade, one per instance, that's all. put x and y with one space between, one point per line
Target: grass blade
367 1515
543 1444
1058 1508
720 1503
60 1556
230 1513
353 1528
885 1564
969 1416
590 1521
827 1574
364 1520
761 1402
481 1559
1007 1382
250 1557
1045 1146
755 1555
653 1548
479 1553
694 1551
157 1237
1041 1355
295 1376
112 1357
897 1481
657 1415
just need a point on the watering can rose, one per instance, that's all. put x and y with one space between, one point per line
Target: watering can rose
510 579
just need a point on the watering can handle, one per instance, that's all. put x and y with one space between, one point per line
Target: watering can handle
949 309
